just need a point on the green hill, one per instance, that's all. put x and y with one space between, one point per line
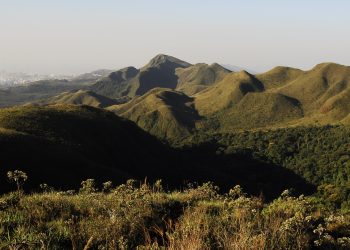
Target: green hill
81 97
227 92
258 110
316 86
279 76
279 98
162 112
199 76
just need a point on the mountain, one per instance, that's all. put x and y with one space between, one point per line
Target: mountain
280 97
162 112
81 97
162 71
159 72
195 78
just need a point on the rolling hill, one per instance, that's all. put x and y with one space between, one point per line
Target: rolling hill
81 97
279 76
195 78
162 112
226 93
278 98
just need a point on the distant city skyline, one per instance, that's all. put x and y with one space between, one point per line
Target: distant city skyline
76 36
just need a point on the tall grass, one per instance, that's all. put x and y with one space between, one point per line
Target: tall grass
143 216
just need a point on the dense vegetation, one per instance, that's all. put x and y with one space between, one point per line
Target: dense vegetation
320 154
141 216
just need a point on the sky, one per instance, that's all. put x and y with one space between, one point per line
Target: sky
76 36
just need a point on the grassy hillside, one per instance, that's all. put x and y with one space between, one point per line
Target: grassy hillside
199 76
258 110
162 112
81 97
226 93
279 76
281 97
316 86
145 216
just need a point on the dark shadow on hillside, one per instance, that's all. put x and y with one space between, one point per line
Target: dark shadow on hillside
163 76
64 145
64 167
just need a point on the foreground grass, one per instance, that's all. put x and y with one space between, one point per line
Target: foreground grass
134 216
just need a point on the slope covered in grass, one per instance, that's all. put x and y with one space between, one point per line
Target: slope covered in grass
199 76
316 86
258 110
227 92
162 112
81 97
279 98
279 76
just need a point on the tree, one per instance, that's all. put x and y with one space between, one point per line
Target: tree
18 177
88 186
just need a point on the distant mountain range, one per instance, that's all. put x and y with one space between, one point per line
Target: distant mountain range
12 79
169 97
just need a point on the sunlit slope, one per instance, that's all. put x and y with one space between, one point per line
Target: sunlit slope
199 76
227 92
81 97
162 112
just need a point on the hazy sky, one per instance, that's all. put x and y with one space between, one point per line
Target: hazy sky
72 36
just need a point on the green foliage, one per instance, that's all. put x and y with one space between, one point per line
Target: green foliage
318 154
88 186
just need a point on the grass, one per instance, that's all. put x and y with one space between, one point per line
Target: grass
143 216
